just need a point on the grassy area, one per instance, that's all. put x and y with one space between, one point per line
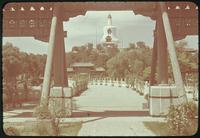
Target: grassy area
41 129
158 128
162 129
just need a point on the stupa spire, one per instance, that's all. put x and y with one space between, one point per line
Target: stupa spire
109 19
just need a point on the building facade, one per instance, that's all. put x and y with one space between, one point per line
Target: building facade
85 68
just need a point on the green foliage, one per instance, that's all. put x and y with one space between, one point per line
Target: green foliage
42 129
86 53
146 73
136 60
20 67
11 65
181 119
45 127
57 129
57 108
11 131
133 60
146 97
188 61
55 125
22 63
132 46
141 44
42 112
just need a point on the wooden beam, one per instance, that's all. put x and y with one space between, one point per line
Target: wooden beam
33 20
161 52
154 60
59 75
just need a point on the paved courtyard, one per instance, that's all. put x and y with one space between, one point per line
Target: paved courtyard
113 111
109 98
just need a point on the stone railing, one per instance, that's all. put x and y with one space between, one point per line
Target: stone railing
137 85
107 82
141 87
79 87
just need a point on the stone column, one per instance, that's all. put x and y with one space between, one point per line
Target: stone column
60 99
49 61
172 54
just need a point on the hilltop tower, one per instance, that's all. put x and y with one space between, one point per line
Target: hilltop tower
109 31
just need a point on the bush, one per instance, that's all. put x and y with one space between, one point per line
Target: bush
146 96
42 112
141 93
181 119
42 129
11 131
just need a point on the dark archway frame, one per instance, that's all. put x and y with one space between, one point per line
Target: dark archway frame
43 21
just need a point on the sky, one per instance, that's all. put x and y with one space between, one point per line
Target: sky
89 28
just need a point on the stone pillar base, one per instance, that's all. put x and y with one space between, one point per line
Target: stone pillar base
161 97
60 101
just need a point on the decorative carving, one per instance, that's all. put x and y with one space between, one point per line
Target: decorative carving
19 19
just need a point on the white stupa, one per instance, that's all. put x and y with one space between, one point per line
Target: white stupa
110 30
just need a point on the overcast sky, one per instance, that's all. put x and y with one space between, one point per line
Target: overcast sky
89 28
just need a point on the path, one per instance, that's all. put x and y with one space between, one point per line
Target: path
101 98
114 111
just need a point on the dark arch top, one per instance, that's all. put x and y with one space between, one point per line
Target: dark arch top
34 18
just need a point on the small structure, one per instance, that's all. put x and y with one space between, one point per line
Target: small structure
109 40
110 30
85 68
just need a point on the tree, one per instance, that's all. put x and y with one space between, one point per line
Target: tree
146 73
68 58
131 62
101 60
112 51
141 44
12 68
19 67
89 47
75 48
99 47
188 62
132 46
86 53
